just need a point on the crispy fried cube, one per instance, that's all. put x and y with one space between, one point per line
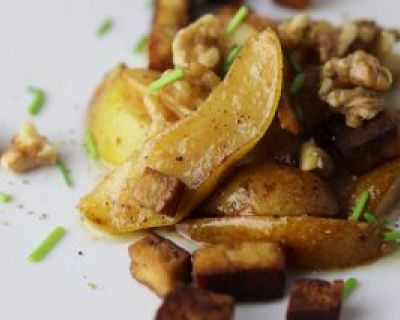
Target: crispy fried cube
248 271
189 303
169 17
159 264
28 150
363 148
159 192
315 300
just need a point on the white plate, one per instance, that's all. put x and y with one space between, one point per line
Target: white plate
52 44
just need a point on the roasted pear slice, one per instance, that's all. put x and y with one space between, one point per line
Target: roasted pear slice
311 242
117 116
264 189
182 165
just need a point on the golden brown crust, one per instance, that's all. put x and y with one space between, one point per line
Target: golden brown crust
159 192
169 17
159 264
249 271
315 299
189 303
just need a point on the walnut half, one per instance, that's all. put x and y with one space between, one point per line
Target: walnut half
199 44
350 86
28 150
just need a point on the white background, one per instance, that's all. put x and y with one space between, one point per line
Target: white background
52 44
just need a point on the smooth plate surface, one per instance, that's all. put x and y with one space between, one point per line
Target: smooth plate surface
53 44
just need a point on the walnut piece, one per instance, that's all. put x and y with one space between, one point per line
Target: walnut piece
313 158
181 98
350 86
300 32
28 150
199 44
358 69
365 35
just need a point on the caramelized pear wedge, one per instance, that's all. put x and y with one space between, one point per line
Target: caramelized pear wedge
312 243
117 116
176 169
383 185
264 189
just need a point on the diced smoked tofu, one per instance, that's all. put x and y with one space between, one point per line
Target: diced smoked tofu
248 271
158 192
189 303
169 17
159 264
315 300
363 148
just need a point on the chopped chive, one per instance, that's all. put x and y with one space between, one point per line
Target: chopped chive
295 63
38 100
231 57
360 205
4 197
391 236
90 146
65 173
167 79
386 223
105 26
141 44
349 286
299 113
298 84
369 217
237 19
47 244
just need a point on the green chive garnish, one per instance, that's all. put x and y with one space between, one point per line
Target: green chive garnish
90 146
237 19
391 236
231 57
141 44
65 173
47 244
4 197
386 223
167 79
298 111
298 84
349 286
105 26
369 217
360 205
295 62
38 100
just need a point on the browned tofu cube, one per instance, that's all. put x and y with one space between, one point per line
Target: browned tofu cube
158 192
248 271
189 303
159 264
315 300
363 148
169 16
